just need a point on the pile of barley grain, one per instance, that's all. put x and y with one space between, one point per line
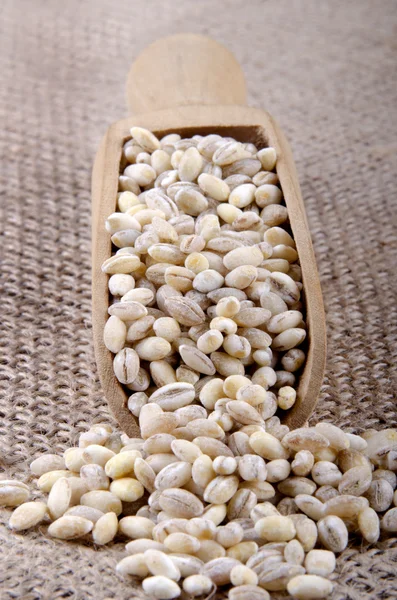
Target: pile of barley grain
233 498
261 513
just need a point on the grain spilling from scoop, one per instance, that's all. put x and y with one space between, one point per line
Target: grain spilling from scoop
206 325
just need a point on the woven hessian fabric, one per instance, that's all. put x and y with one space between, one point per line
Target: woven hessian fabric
326 71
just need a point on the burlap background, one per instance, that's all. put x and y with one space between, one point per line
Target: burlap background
326 70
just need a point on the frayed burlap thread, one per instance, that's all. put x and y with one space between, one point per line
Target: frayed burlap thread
325 71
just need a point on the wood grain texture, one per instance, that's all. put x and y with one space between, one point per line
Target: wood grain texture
247 125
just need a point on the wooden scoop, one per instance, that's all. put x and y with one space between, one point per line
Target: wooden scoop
190 84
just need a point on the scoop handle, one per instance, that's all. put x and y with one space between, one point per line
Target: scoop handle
183 70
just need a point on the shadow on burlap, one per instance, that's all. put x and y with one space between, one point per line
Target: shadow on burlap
326 71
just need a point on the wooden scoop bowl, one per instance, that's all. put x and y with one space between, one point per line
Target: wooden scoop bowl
190 84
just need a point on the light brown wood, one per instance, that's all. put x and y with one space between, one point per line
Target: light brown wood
182 70
245 124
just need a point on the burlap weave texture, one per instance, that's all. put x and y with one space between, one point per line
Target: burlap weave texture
326 71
